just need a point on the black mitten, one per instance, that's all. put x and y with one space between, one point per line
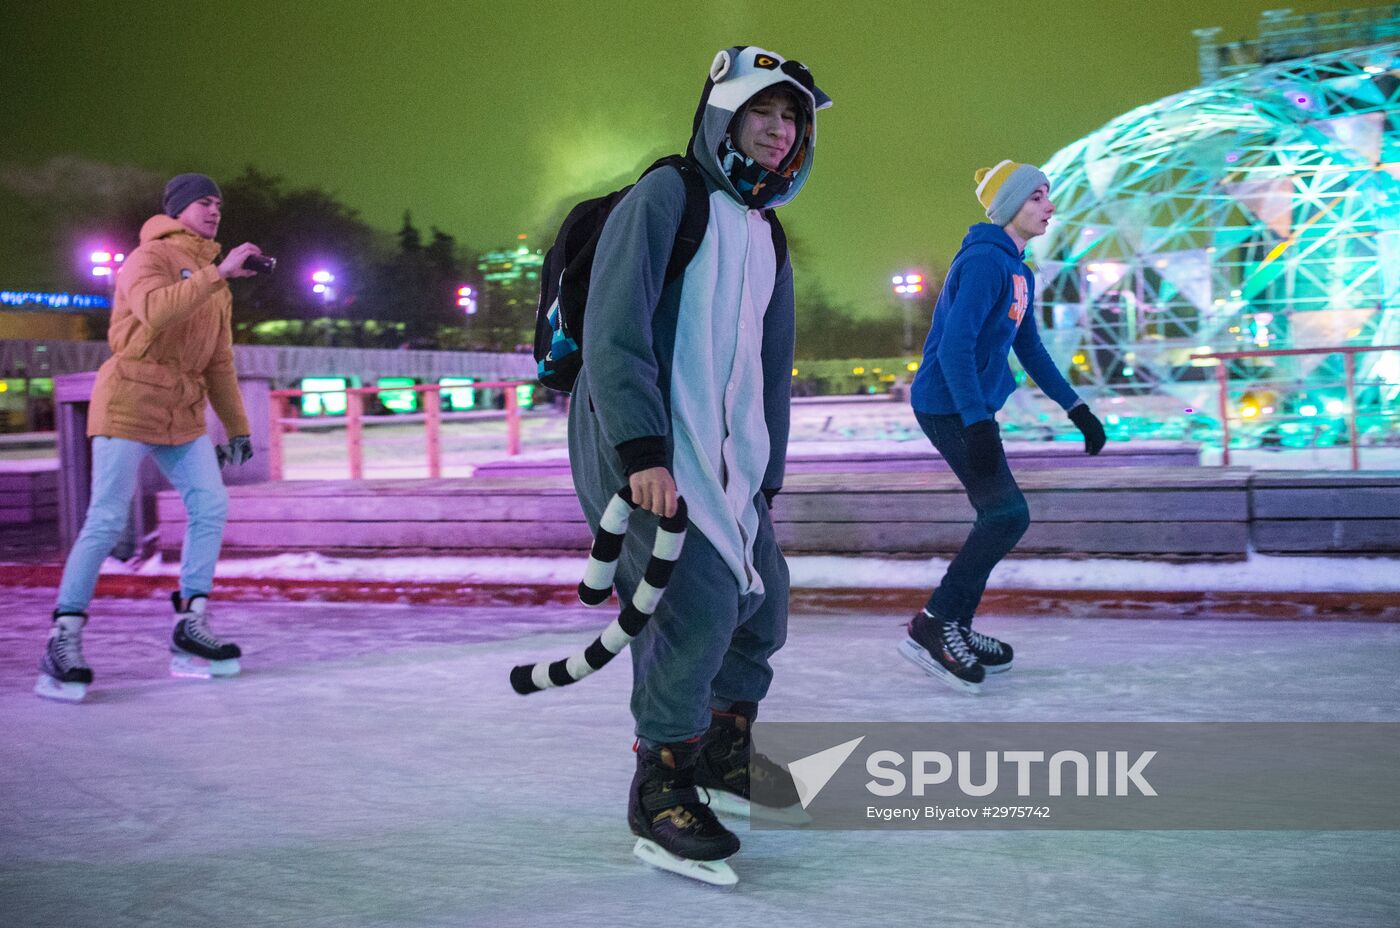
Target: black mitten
984 451
1089 424
238 450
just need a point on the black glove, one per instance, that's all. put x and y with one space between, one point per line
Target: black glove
984 451
238 450
1089 424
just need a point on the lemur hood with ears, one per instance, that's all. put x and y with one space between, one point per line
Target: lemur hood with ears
737 75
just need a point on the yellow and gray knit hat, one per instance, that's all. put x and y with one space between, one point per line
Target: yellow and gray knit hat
1003 190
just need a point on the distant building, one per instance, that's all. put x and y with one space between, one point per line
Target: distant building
510 292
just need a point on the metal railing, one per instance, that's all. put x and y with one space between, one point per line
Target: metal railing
355 420
1348 353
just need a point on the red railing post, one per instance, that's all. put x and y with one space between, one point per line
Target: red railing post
354 432
1350 358
274 437
1222 376
512 420
432 414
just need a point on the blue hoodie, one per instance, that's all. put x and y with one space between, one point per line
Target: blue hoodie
984 310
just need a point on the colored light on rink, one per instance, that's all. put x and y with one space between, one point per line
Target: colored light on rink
1308 410
101 272
1249 412
1336 407
322 277
319 288
101 257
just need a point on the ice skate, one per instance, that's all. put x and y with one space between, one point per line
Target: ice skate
939 649
675 830
993 655
195 651
729 773
64 674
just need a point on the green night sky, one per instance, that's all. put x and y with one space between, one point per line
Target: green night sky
483 118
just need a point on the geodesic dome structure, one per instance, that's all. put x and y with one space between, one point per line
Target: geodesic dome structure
1259 211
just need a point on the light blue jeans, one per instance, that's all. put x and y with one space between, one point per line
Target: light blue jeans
192 468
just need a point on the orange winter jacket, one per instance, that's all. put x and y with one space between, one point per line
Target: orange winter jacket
172 343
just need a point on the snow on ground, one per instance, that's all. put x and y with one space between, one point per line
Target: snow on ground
371 767
1258 573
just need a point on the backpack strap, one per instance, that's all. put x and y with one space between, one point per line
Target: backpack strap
780 248
694 220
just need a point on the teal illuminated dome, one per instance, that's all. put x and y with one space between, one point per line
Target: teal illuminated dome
1261 210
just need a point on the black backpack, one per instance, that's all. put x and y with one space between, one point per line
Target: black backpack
568 269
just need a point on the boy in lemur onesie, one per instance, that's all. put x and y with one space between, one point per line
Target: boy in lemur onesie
685 390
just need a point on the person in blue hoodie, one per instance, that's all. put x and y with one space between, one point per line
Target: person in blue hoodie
984 310
685 390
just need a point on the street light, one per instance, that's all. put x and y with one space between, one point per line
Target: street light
321 283
466 299
105 264
908 286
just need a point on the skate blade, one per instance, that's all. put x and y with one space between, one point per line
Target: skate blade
187 665
728 803
49 688
714 872
915 654
996 668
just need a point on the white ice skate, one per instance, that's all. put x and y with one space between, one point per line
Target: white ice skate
194 649
727 803
199 668
64 675
49 688
713 872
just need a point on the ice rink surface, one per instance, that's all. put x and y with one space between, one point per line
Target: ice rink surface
371 767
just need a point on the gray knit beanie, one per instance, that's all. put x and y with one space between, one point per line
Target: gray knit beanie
184 189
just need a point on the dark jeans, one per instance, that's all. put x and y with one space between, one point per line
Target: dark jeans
1002 518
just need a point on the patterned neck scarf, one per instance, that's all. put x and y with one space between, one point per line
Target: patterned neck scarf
755 183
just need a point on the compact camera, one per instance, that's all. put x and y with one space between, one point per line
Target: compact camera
261 264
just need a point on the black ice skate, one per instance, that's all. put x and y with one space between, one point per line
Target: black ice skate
993 655
734 779
939 648
195 651
675 830
64 673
